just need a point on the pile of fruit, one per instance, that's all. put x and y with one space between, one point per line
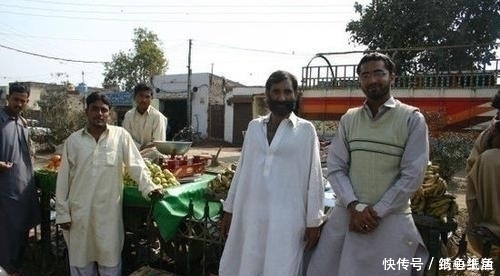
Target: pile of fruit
219 186
431 198
54 163
164 178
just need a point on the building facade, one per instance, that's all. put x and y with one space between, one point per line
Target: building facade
242 105
202 108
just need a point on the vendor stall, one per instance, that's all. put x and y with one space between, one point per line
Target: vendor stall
168 213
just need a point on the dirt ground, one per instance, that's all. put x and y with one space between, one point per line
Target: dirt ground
458 187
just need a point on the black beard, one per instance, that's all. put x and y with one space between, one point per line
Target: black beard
281 108
383 93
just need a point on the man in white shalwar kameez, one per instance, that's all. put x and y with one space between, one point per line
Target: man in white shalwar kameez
275 204
89 191
376 161
144 122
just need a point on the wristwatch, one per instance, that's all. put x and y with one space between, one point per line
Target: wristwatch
360 207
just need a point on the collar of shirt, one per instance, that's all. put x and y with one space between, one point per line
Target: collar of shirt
145 113
390 103
4 116
292 119
86 132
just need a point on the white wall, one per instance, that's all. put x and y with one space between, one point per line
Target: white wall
177 84
35 93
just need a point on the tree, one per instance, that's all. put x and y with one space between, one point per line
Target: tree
139 64
60 114
449 34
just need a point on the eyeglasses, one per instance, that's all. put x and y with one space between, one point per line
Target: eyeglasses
376 74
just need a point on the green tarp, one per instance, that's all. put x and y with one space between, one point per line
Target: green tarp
167 212
171 210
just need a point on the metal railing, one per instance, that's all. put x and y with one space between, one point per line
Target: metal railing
344 76
197 246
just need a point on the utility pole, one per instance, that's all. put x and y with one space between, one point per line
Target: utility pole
189 104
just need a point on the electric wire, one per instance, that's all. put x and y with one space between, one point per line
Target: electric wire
245 11
93 4
151 20
51 57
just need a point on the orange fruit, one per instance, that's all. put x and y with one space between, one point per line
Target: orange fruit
55 158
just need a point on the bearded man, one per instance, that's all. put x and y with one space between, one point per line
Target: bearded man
275 204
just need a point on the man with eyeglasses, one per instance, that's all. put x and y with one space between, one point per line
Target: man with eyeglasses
376 162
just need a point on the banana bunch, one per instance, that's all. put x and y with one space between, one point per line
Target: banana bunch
431 170
222 182
431 198
164 178
434 187
443 207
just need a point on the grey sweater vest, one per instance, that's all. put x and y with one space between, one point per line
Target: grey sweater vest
376 148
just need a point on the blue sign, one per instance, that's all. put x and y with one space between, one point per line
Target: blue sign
120 98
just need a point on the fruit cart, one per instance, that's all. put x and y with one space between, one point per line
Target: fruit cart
181 221
179 202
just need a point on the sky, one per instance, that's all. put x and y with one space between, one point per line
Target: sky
243 41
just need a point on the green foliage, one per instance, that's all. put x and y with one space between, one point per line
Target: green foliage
430 23
139 64
450 150
60 115
325 129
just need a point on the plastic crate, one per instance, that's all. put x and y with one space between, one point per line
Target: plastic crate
186 166
188 170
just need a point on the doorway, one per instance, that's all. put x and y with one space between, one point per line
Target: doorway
176 112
